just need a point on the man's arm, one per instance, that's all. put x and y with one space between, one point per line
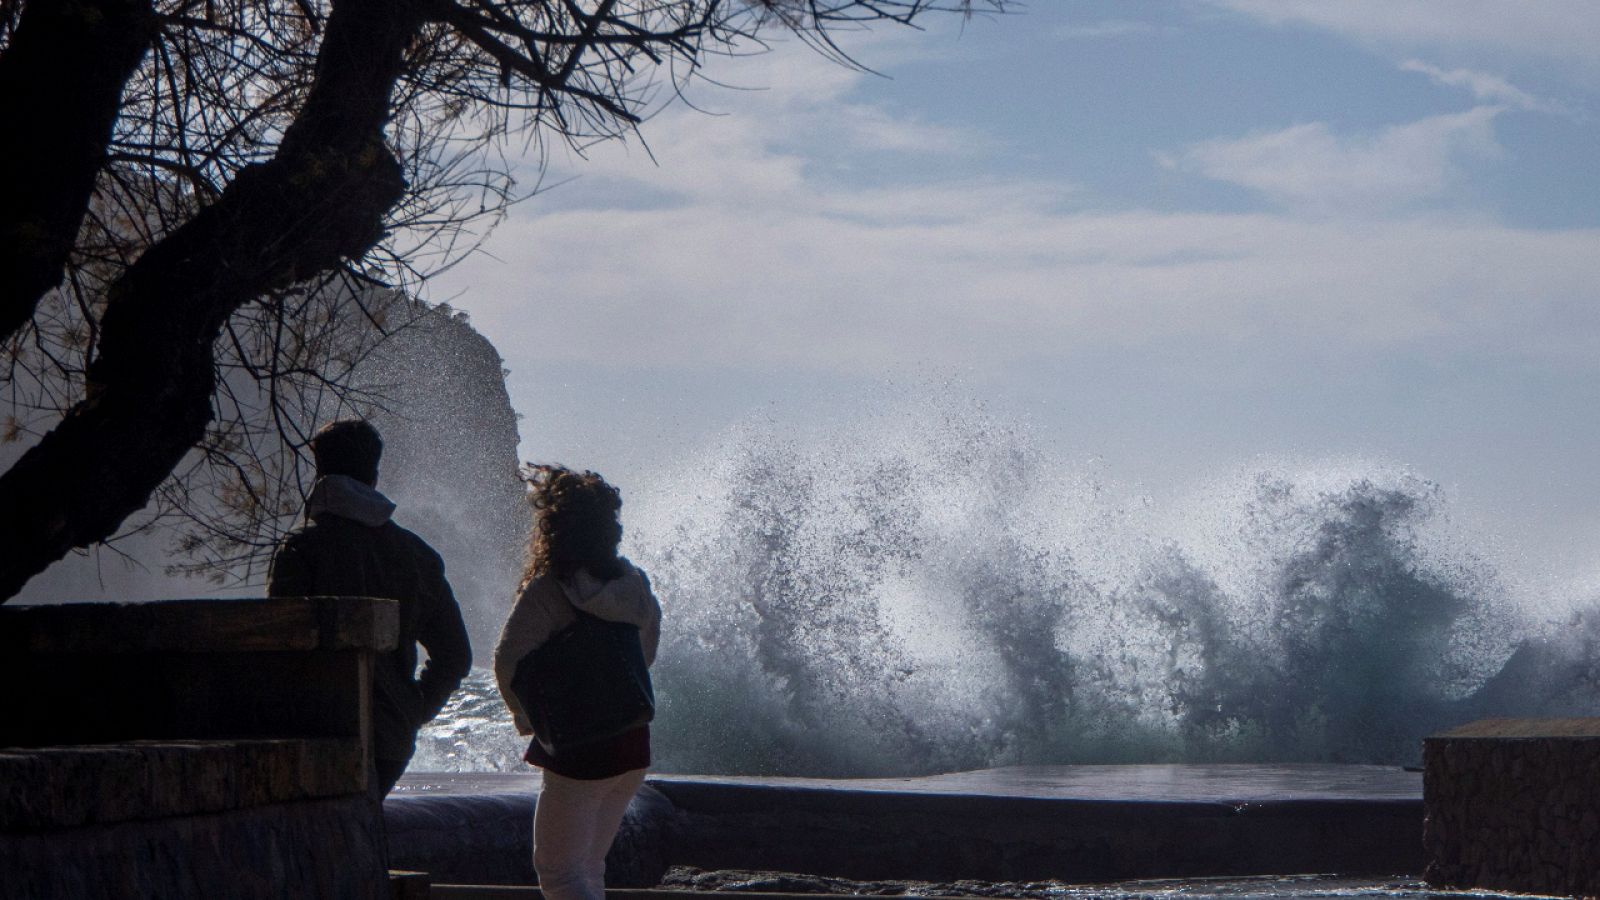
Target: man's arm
288 576
444 635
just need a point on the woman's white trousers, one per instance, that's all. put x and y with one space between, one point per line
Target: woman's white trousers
573 825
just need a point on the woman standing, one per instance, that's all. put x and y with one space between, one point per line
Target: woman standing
573 565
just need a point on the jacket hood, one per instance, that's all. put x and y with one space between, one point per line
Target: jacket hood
585 588
347 498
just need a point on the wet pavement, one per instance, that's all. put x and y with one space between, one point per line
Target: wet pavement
460 784
1220 783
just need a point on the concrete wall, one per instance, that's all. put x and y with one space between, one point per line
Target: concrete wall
869 835
488 838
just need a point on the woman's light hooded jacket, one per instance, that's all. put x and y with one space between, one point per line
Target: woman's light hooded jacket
545 606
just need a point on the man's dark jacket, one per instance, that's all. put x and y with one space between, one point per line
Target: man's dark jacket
351 548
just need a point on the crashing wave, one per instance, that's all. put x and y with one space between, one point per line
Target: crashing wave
949 597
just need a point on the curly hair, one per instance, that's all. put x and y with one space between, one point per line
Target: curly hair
576 524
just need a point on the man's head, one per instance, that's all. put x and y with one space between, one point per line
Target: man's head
347 447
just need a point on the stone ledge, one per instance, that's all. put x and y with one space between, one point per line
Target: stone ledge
60 787
202 626
1514 729
183 670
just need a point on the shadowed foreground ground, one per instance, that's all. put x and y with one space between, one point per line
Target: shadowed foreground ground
1263 887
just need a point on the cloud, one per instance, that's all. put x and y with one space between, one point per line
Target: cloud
1485 87
804 289
758 271
794 115
768 260
1310 167
870 128
1107 28
1558 31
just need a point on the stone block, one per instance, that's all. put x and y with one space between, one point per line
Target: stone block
50 788
191 749
1514 804
187 669
320 848
202 626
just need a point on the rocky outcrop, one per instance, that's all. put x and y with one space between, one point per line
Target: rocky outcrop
436 390
450 457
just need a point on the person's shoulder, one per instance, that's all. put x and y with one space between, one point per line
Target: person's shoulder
538 584
631 566
307 532
412 542
544 589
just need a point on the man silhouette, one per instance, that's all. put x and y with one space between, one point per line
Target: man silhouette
349 546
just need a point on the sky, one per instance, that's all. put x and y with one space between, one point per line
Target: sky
1172 238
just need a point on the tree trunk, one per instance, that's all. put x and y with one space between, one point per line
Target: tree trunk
320 200
61 81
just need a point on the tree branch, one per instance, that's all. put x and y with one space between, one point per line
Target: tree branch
53 142
476 30
321 199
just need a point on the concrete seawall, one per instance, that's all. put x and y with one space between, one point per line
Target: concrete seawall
1072 823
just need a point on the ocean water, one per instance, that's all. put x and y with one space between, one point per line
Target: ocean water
937 593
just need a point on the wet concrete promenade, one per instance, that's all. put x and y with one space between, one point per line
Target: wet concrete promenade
1069 823
1229 784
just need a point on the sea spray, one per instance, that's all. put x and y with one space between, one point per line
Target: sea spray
935 592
